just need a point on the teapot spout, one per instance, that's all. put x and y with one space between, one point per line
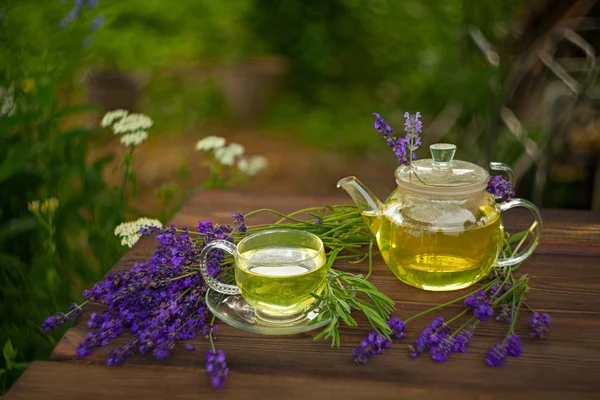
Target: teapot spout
368 204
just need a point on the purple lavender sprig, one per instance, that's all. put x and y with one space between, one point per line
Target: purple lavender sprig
497 354
76 11
500 188
160 301
374 343
60 318
480 305
431 336
413 127
216 366
540 325
404 148
506 312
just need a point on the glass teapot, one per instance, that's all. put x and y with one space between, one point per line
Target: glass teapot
440 229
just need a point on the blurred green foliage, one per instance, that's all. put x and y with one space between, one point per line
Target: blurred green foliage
43 154
347 58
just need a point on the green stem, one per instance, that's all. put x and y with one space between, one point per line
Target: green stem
529 231
126 173
528 306
268 210
183 294
370 259
210 334
79 306
463 312
515 314
460 328
512 290
183 276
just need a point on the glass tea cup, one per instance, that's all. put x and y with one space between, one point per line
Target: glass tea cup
275 270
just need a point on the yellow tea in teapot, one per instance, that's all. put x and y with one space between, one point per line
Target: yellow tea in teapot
444 258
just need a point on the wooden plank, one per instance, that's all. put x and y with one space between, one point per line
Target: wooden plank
65 381
565 281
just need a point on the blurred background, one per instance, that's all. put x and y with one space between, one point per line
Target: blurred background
294 81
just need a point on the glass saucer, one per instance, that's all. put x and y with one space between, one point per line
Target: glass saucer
234 311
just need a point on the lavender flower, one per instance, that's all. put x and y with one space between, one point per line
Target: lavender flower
462 339
498 290
240 223
506 312
540 325
442 350
397 326
480 305
96 23
69 18
498 187
434 334
59 319
417 348
189 347
496 355
513 345
117 357
92 3
155 300
74 310
53 321
473 300
370 346
375 344
216 366
398 145
413 128
483 311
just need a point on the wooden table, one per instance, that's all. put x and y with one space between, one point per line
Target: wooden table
565 280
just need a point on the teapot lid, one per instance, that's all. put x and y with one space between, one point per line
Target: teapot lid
441 174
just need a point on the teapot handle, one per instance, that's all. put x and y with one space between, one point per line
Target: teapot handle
537 230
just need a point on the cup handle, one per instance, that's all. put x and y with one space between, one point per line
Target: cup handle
212 282
522 256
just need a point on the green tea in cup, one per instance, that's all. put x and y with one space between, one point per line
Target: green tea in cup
276 271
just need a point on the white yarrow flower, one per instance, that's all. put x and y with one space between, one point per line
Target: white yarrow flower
134 138
130 231
112 116
227 155
132 123
252 166
210 143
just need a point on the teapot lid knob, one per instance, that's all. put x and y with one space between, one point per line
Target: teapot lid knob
442 154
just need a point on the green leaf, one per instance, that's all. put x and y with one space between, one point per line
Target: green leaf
16 158
17 226
46 96
78 133
9 354
21 366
